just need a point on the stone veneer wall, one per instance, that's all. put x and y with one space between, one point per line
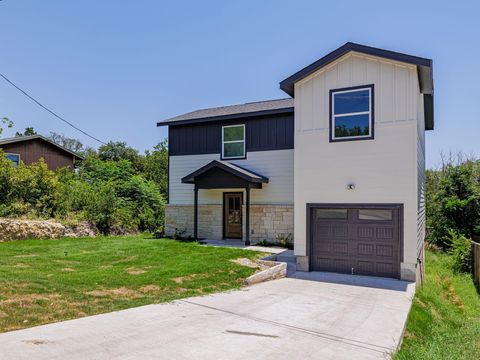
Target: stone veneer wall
266 221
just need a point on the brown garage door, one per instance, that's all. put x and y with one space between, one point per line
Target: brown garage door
363 240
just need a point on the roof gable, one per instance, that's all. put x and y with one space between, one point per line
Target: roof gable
424 69
232 169
424 65
18 139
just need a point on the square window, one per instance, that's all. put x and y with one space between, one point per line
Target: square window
351 113
15 158
233 141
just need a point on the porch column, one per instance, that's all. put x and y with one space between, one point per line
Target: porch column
247 220
195 213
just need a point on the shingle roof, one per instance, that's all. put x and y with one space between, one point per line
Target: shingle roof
233 111
39 137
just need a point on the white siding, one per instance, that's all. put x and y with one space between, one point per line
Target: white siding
277 165
421 177
384 170
394 99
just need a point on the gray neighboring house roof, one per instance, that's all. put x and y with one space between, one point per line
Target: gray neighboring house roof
258 108
40 137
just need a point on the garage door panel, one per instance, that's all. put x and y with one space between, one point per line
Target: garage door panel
384 251
340 265
364 232
340 248
385 269
365 267
384 233
369 246
366 249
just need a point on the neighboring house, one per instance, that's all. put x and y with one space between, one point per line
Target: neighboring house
30 149
341 165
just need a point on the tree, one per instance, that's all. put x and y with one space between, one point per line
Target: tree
5 123
156 166
119 150
68 143
29 131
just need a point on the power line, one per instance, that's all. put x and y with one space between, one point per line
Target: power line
50 111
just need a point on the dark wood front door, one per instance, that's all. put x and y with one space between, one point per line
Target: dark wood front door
232 207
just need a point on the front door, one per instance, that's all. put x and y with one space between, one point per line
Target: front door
232 207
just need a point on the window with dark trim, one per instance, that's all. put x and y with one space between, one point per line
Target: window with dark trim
233 141
330 214
351 113
15 158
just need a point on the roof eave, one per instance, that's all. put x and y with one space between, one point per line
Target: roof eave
227 117
190 178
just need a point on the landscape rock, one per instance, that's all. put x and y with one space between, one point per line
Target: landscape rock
19 229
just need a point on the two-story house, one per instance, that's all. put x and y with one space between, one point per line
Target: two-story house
340 165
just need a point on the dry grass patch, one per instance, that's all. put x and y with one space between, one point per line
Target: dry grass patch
21 265
39 284
133 271
150 289
122 292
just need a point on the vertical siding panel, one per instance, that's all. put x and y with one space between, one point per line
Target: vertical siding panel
330 83
387 94
306 101
359 71
401 93
372 69
344 73
320 102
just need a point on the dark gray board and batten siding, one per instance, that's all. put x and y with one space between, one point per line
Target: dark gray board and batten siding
273 132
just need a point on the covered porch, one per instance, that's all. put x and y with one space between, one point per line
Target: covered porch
224 175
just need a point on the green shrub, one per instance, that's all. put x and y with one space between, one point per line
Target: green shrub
453 201
107 193
285 240
461 251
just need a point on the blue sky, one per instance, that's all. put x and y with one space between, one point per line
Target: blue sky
116 67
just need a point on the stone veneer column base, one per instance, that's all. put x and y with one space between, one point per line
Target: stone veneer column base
267 222
302 263
179 219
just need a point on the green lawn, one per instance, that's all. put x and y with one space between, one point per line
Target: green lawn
43 281
444 322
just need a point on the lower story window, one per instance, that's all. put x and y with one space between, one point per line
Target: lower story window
15 158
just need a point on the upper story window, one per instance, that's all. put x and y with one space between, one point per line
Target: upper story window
351 112
233 141
15 158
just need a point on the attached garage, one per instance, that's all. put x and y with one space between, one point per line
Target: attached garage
364 239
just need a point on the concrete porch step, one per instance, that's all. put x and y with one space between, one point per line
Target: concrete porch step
286 256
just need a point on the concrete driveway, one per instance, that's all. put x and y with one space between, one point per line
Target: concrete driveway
309 316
